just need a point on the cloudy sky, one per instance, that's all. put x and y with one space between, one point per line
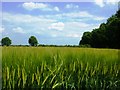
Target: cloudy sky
57 23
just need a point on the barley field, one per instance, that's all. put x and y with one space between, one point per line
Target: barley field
62 68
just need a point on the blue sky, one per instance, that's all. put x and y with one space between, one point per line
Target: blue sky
60 23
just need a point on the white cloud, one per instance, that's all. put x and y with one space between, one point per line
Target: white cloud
2 29
56 9
113 2
31 5
102 3
40 6
83 14
73 30
50 25
99 18
78 14
68 6
18 30
21 18
99 3
77 24
73 35
57 26
31 24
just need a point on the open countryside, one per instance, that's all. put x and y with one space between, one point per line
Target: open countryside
60 67
91 64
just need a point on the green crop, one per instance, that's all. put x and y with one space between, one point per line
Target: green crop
60 67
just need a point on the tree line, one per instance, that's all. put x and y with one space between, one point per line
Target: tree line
106 36
7 41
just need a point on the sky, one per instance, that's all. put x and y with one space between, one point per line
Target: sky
56 23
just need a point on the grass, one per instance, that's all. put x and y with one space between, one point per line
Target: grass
60 67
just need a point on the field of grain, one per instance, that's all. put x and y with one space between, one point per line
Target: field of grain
60 67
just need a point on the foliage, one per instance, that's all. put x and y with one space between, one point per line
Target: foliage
6 41
106 36
86 39
33 41
60 68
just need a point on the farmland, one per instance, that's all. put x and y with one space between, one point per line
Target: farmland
60 67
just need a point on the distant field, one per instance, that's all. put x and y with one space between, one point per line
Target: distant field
60 67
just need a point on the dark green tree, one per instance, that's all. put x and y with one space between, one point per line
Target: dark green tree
86 39
113 32
33 41
106 36
99 38
6 41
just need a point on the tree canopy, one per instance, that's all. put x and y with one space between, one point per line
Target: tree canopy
106 36
6 41
33 41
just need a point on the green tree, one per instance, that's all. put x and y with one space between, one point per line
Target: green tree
113 32
6 41
86 39
33 41
99 38
107 35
